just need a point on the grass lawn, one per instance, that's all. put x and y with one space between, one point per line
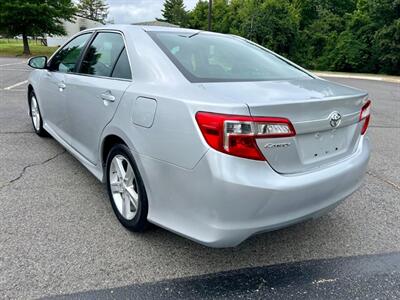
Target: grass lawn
13 48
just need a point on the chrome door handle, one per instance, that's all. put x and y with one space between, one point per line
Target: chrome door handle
107 96
61 86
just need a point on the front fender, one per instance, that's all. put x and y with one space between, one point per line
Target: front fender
34 82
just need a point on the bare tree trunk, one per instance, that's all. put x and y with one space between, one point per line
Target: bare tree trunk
27 51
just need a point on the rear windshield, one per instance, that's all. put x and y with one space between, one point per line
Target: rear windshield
205 57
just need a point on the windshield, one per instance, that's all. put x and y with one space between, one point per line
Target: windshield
205 57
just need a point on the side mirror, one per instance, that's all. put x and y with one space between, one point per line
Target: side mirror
38 62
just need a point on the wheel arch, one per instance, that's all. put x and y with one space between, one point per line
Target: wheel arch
108 142
30 89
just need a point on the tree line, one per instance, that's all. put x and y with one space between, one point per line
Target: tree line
31 18
337 35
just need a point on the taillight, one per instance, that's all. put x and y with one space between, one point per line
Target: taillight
365 115
236 135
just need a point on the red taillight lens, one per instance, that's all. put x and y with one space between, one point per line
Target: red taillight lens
365 115
236 135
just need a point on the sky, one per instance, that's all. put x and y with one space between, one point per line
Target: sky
132 11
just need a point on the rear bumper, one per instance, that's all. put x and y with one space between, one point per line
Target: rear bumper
224 199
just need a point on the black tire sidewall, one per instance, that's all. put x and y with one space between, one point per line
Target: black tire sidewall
139 222
41 132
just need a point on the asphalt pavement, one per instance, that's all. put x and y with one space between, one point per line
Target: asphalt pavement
360 277
59 235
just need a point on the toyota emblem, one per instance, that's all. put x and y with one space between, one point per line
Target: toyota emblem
334 119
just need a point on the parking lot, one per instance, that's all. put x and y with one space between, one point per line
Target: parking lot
59 234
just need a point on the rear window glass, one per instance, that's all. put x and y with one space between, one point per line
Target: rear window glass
206 57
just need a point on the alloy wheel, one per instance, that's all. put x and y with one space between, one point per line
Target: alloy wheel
124 187
35 113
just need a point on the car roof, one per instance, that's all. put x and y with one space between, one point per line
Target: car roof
149 28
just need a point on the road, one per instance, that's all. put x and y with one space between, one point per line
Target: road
59 235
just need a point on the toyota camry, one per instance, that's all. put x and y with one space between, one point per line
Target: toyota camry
208 135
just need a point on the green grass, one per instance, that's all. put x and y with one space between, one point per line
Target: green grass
13 48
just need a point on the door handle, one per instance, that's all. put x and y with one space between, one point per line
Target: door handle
61 86
107 96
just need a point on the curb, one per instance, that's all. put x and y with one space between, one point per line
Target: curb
392 79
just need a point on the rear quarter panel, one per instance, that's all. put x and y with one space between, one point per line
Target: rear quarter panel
174 136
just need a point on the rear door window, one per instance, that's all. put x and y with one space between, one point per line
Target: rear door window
102 54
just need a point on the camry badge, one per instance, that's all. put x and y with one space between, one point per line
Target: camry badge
334 119
276 145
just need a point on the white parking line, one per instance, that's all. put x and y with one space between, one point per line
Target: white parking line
19 63
15 85
19 70
16 90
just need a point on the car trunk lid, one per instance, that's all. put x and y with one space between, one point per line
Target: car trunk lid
325 116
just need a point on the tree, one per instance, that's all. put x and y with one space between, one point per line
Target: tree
34 18
198 16
174 12
340 35
271 23
316 41
385 39
386 48
220 18
96 10
370 41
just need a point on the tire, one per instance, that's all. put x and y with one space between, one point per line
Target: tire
36 116
123 183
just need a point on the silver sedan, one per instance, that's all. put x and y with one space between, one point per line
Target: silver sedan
208 135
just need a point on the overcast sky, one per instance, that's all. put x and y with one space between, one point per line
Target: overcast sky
131 11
